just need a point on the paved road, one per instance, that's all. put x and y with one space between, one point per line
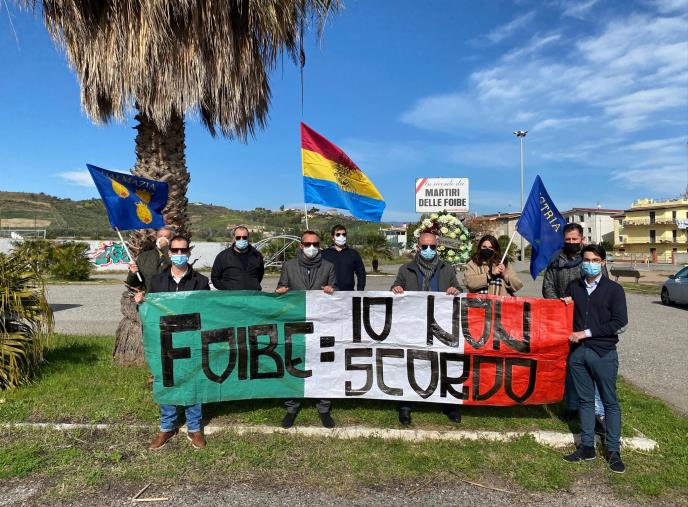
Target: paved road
652 352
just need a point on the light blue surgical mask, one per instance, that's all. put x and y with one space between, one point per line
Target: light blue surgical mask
241 244
428 254
179 260
591 269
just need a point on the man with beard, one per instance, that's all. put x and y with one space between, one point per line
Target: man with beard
427 272
239 267
309 271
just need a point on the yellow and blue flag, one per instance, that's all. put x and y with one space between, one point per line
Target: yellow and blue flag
542 225
131 202
331 178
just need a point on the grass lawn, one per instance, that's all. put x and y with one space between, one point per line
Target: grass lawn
79 383
642 288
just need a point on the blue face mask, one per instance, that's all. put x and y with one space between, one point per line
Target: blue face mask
241 244
428 253
591 269
179 260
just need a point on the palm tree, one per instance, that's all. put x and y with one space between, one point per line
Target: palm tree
169 59
374 247
25 320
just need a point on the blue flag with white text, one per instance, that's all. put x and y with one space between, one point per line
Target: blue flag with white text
131 202
541 224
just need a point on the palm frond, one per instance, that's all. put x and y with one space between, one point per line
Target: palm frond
26 320
211 58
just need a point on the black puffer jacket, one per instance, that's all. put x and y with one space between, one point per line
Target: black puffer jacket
230 272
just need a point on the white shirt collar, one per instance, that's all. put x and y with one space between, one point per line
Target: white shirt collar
594 282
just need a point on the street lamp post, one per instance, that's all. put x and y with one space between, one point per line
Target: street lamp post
521 134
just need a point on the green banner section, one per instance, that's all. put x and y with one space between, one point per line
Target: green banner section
212 345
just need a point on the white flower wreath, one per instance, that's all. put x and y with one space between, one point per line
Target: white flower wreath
453 238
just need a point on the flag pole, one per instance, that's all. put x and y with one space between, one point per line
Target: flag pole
126 248
305 212
506 250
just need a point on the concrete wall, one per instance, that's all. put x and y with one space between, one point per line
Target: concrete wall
109 256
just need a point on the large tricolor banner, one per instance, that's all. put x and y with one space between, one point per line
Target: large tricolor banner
469 349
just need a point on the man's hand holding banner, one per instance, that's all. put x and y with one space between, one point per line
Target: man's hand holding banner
470 349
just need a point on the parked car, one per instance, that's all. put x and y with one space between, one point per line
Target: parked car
675 289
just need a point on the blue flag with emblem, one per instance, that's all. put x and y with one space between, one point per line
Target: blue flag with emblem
131 202
542 225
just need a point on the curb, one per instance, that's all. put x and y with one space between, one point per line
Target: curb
549 438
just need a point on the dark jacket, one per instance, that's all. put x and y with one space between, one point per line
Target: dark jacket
292 276
560 272
150 263
409 277
238 271
603 312
192 280
346 263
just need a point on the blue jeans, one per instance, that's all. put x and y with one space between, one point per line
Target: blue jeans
571 398
168 417
587 371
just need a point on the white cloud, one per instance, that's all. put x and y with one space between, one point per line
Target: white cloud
665 181
578 8
560 123
79 178
507 30
669 6
673 144
630 112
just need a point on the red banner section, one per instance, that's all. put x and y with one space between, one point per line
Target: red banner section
517 349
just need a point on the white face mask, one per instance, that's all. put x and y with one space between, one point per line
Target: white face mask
340 240
310 251
161 242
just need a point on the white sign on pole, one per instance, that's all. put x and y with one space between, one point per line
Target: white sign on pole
438 194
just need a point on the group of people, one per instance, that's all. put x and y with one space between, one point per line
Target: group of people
576 274
166 268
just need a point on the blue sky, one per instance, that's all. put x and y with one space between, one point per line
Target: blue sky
409 89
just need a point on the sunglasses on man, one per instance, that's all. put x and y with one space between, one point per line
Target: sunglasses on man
339 234
179 250
240 237
431 247
311 243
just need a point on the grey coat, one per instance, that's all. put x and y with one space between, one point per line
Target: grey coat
292 276
407 277
561 271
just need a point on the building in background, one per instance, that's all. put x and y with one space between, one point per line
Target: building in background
502 224
396 236
654 231
597 223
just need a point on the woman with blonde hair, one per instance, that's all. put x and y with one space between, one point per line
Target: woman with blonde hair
486 274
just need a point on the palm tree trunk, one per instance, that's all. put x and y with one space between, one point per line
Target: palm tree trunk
159 156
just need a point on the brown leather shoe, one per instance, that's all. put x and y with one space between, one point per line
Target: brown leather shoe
197 439
161 439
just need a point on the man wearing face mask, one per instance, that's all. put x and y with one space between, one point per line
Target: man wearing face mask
565 264
308 271
179 277
151 262
239 267
599 316
427 272
564 268
346 260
